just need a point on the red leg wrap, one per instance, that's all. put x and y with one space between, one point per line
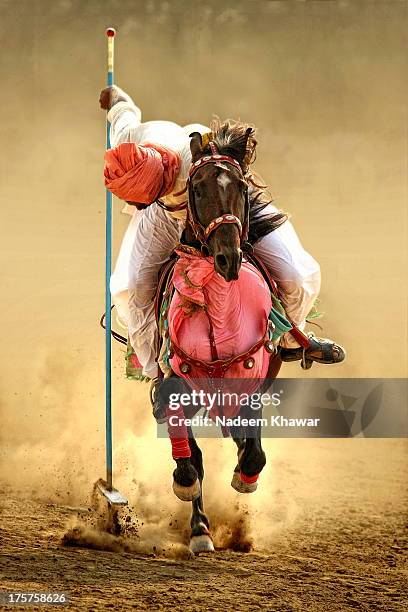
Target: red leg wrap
178 433
248 479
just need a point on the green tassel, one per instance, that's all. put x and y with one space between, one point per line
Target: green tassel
281 324
314 313
131 372
277 304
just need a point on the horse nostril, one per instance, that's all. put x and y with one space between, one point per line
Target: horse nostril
221 261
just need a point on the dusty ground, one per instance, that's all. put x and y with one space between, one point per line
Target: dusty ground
344 547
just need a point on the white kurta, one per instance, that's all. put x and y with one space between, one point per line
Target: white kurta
153 233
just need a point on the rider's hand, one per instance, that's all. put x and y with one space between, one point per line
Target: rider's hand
111 96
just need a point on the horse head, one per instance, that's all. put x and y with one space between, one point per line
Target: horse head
218 203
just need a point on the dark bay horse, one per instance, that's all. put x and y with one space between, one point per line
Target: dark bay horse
222 218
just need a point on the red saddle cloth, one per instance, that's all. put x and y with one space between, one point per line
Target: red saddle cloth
238 313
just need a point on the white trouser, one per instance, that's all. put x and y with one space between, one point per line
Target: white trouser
295 271
149 240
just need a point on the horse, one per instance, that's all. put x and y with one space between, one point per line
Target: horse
216 245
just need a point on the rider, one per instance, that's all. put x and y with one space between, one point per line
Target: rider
153 177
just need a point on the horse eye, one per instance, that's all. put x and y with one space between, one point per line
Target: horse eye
197 192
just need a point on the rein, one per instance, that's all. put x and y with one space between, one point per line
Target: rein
201 232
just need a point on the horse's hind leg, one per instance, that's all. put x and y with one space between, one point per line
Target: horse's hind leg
200 538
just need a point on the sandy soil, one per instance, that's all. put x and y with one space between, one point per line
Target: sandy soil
343 548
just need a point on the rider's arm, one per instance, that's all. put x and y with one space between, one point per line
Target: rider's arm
124 118
123 115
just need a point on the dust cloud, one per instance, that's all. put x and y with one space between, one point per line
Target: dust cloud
322 82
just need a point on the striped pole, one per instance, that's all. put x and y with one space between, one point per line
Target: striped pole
110 33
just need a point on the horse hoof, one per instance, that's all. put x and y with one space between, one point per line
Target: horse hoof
242 487
201 544
187 493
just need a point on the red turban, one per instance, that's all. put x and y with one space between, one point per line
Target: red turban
140 173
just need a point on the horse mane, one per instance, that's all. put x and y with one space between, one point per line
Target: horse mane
236 139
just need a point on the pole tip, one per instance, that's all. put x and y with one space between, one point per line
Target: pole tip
110 32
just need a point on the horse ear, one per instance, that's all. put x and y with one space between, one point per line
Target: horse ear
248 151
248 132
196 146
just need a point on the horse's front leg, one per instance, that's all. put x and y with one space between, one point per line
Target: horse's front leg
251 457
200 538
186 477
238 435
186 484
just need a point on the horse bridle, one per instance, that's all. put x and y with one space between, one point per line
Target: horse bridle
201 232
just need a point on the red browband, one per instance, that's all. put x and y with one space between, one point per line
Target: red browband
210 159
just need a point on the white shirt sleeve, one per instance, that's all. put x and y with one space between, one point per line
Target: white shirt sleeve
125 118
